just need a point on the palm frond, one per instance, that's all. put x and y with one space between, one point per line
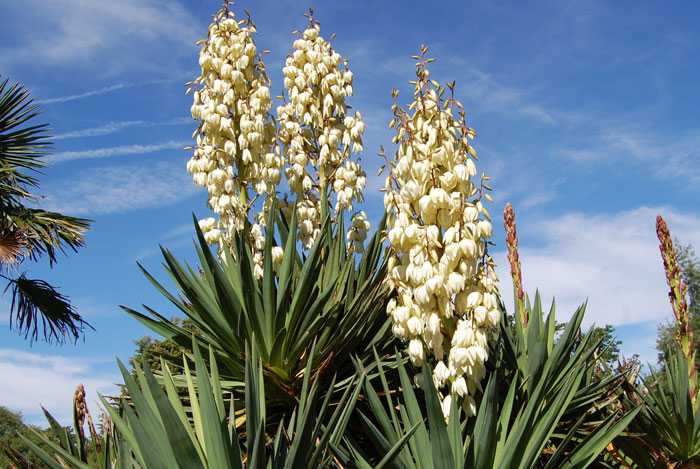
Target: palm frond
12 245
21 148
38 308
45 233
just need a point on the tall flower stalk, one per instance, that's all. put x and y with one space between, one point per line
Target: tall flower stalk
677 295
446 289
318 133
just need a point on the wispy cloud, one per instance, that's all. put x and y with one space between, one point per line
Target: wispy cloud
103 90
177 237
536 199
122 150
120 189
86 94
489 94
112 127
31 380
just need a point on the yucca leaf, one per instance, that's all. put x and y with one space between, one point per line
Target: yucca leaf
213 426
440 441
485 429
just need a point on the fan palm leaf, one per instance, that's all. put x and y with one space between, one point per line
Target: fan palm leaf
27 232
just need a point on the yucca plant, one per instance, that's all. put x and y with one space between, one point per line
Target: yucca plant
156 429
667 431
533 351
70 446
326 296
507 431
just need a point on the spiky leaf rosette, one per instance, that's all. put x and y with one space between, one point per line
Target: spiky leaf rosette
156 430
513 428
325 295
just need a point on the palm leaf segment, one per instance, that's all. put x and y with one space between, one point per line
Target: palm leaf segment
29 232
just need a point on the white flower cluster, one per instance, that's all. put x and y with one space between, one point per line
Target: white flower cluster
358 232
235 139
316 131
445 283
211 233
257 242
349 183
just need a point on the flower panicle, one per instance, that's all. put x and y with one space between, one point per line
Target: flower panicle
438 227
235 156
318 132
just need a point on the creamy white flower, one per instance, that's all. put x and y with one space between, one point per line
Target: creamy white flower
440 374
359 226
446 406
438 229
318 133
415 352
459 387
277 255
235 156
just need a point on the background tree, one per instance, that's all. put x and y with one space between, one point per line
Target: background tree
609 346
690 273
28 233
151 350
13 450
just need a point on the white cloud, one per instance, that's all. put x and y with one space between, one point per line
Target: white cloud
611 260
108 152
100 34
112 127
120 189
31 380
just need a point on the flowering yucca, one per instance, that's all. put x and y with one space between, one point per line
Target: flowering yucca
318 133
235 156
238 157
446 286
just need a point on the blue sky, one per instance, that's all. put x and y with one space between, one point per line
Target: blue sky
586 114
